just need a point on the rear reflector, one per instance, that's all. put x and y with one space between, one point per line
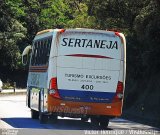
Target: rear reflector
119 92
53 90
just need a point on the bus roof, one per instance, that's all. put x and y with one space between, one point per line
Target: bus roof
44 31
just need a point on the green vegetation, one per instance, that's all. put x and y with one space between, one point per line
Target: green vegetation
20 20
7 85
139 20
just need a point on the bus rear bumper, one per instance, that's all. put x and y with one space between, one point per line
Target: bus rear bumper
61 107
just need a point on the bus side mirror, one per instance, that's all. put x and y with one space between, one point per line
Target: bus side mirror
25 54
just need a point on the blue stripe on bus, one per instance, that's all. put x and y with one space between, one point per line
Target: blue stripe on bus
86 96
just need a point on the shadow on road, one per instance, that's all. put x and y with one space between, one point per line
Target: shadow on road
122 124
62 124
74 124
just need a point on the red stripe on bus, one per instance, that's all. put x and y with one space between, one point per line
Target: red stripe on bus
38 67
88 55
37 70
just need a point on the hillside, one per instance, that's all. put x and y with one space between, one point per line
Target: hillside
142 98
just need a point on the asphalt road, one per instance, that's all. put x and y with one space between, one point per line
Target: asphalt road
15 119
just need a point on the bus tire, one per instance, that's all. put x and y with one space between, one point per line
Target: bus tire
95 121
42 118
84 119
104 121
54 118
28 98
34 114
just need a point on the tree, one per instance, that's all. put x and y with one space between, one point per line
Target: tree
11 32
147 28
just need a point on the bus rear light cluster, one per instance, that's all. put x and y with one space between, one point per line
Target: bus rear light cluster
120 95
119 87
119 92
53 90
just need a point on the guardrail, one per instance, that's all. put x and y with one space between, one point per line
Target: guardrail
13 91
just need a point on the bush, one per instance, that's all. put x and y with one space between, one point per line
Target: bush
7 85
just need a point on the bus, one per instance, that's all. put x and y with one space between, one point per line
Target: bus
78 73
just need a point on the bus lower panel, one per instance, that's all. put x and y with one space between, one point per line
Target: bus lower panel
84 108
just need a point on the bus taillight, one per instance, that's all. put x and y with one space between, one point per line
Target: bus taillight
119 92
53 91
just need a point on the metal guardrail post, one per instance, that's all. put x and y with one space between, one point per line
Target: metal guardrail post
14 87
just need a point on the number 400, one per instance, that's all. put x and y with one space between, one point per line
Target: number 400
87 87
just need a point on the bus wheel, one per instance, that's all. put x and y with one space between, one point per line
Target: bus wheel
84 119
43 118
95 121
54 118
34 114
104 121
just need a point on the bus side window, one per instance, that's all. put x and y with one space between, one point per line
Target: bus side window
36 53
43 55
41 52
49 48
40 62
33 54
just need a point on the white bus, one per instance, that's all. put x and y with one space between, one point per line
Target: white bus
76 73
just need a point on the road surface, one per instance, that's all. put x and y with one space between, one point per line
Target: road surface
15 119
